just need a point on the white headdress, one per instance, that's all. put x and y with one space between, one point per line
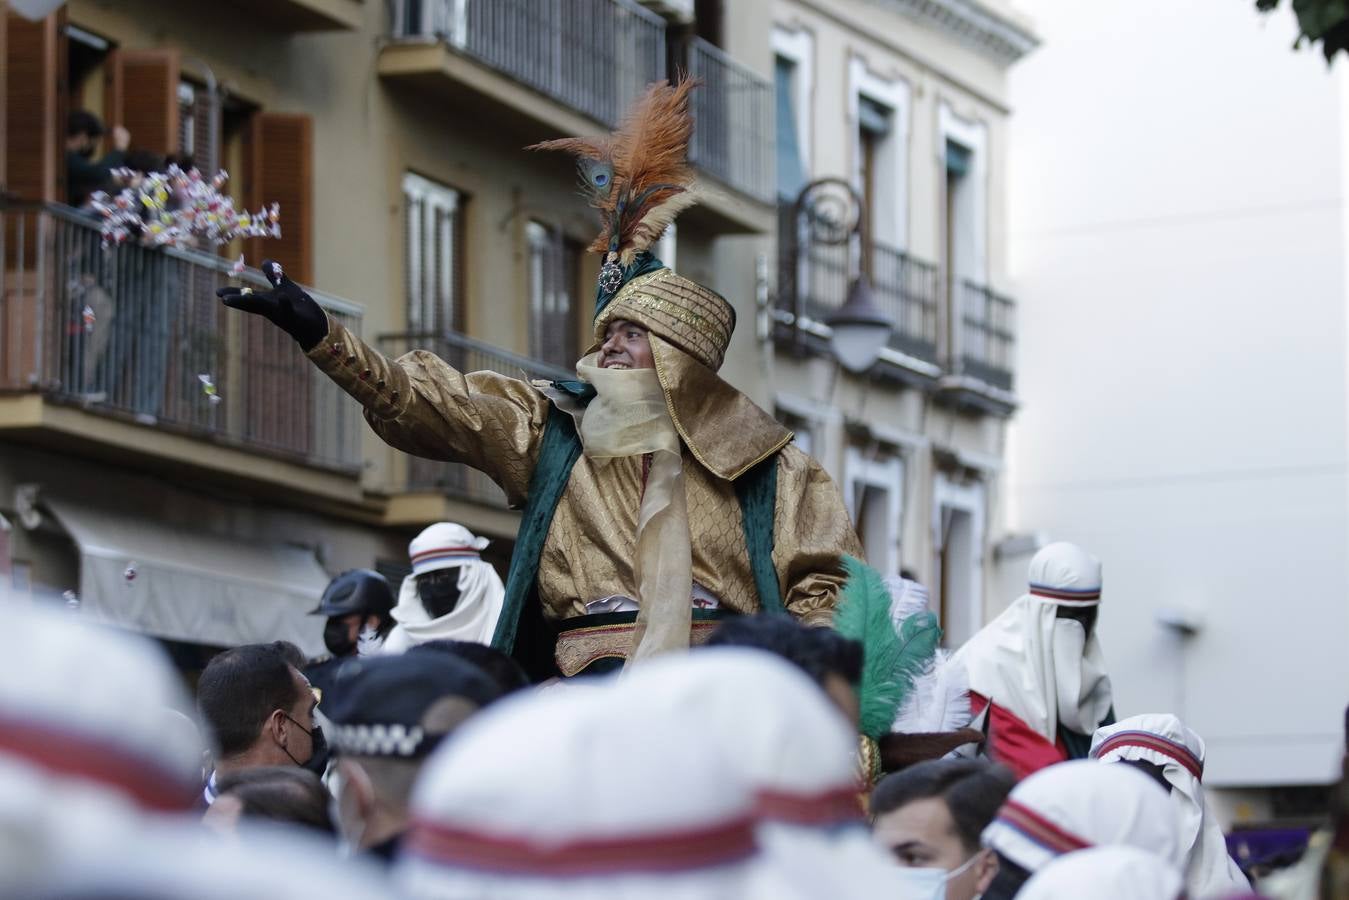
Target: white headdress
1165 741
1106 873
572 792
783 738
446 545
1079 804
1045 670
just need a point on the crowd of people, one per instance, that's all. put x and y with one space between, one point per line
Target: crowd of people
688 685
429 766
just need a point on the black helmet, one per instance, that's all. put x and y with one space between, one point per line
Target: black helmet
357 591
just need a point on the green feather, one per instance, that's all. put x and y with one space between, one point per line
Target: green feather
891 660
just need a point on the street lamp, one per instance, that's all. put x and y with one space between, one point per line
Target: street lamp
859 331
830 211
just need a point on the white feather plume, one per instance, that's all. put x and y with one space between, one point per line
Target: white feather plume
940 700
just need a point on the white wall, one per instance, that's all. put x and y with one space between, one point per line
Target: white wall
1178 254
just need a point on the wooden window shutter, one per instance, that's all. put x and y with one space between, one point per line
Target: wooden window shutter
35 75
280 170
141 94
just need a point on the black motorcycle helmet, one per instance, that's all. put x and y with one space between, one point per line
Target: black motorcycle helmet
358 591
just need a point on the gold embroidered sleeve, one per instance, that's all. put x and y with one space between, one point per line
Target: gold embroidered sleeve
421 405
811 531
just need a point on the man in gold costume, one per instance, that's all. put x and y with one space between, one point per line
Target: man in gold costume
656 497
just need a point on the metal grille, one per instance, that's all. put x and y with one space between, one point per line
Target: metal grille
986 337
593 55
904 288
129 332
466 355
554 271
733 136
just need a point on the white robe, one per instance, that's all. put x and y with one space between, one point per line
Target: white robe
474 618
1163 739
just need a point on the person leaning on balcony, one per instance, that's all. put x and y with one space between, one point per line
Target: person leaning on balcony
83 174
656 496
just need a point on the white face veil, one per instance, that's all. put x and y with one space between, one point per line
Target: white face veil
447 545
1165 741
1043 669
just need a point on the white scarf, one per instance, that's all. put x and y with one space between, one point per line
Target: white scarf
474 617
1106 873
1042 669
1164 740
628 417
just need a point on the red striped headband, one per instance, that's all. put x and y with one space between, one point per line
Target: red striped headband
70 754
1068 596
1146 740
1039 829
835 806
671 851
444 551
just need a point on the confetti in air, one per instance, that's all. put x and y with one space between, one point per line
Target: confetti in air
208 388
238 267
179 208
87 316
130 573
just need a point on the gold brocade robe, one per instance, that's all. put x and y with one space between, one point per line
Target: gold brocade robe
423 406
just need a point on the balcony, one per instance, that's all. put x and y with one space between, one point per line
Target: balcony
560 66
303 15
115 348
733 122
453 480
986 335
981 351
903 287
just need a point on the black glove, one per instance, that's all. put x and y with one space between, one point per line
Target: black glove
286 305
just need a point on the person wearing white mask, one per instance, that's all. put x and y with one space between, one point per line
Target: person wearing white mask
1070 807
1107 873
1163 747
1038 684
930 817
452 593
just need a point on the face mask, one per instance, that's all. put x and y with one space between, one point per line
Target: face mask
318 755
337 637
930 883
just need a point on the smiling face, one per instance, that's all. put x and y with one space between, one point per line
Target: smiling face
625 346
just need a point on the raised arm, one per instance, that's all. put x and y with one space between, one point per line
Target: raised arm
417 403
811 532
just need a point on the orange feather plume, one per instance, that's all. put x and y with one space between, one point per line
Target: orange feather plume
638 177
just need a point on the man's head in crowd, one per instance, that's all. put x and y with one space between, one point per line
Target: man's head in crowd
275 793
500 667
355 602
930 816
260 708
391 713
831 660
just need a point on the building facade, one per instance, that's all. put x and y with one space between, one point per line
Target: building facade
904 106
174 463
1184 373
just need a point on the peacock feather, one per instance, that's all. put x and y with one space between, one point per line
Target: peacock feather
892 658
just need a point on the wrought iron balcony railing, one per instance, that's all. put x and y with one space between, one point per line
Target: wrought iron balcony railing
594 56
733 121
467 355
138 333
905 288
987 335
